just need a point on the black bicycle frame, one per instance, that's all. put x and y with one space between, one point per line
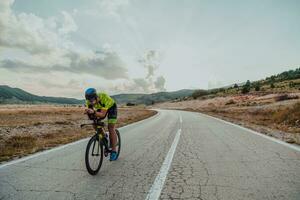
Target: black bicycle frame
102 138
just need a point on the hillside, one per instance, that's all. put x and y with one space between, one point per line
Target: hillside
149 99
288 81
9 95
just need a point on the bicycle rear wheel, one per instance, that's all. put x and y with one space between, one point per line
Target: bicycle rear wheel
94 155
118 145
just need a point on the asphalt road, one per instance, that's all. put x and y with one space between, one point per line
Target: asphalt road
211 160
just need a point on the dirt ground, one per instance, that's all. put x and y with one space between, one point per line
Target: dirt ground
276 115
26 129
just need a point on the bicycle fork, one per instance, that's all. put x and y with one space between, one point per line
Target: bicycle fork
98 148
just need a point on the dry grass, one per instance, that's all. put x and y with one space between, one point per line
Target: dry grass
289 115
17 145
26 130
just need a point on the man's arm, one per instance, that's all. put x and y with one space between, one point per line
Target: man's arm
89 111
101 113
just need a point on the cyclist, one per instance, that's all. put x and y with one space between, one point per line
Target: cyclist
100 105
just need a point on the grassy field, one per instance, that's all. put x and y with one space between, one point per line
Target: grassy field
28 129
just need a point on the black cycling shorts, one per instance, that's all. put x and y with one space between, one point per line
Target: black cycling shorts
112 113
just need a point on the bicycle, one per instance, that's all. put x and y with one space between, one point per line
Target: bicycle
99 146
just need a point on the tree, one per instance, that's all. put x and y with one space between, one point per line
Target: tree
291 84
257 86
248 83
272 78
272 85
245 90
235 86
246 87
287 75
221 90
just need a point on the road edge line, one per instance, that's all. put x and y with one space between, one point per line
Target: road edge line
254 132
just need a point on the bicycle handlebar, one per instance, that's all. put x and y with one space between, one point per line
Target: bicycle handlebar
82 125
95 123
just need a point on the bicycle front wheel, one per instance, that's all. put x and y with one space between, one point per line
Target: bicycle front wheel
94 155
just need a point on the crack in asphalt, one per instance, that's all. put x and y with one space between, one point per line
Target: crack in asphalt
37 190
192 174
54 168
210 163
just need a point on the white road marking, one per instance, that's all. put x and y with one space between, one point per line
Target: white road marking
66 145
159 181
180 119
256 133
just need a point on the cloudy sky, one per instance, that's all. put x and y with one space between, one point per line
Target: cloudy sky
59 48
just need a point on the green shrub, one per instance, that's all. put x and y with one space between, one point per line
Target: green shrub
272 85
257 88
291 84
199 93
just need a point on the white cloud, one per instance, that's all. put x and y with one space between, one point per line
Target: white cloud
150 60
160 83
68 24
34 34
31 33
49 48
108 66
112 8
46 50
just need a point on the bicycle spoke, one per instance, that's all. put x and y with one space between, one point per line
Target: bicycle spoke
94 156
93 147
98 148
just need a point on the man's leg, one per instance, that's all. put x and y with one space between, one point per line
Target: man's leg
112 135
112 120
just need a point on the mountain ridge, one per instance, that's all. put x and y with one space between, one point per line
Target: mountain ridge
10 95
